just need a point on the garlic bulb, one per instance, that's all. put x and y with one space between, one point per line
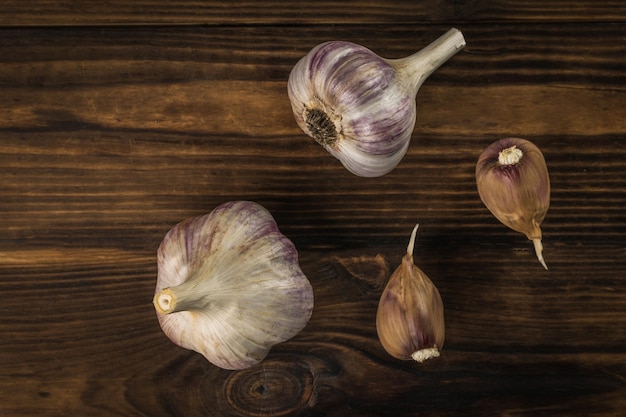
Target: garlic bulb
513 182
409 320
229 285
361 107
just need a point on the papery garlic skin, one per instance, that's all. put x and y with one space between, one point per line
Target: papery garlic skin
229 285
513 182
361 107
410 316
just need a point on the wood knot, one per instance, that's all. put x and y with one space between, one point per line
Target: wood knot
274 387
369 272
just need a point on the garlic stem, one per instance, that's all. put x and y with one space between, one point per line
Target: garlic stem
183 297
164 301
418 67
539 252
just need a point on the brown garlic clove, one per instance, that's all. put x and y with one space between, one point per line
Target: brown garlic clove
409 320
513 183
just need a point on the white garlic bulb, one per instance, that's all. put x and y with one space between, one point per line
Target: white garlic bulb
229 285
361 107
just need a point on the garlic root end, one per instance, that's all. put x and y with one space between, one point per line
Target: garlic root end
539 252
425 354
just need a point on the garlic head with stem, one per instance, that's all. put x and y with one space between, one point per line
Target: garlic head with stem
410 316
229 285
513 183
359 106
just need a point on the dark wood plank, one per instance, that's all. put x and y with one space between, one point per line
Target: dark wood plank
108 137
105 116
216 13
517 340
580 54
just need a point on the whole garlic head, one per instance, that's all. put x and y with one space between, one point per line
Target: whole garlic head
229 285
361 107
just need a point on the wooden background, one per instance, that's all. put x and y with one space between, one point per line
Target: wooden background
118 119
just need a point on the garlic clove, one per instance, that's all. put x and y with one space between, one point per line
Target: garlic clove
410 316
229 285
361 107
513 183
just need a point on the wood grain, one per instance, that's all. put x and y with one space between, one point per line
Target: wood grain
251 13
112 359
109 135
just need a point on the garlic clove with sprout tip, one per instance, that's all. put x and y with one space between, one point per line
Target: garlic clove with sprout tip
410 316
361 107
229 285
513 183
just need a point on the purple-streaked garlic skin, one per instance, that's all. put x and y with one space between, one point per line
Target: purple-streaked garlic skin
361 107
238 287
516 193
361 90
